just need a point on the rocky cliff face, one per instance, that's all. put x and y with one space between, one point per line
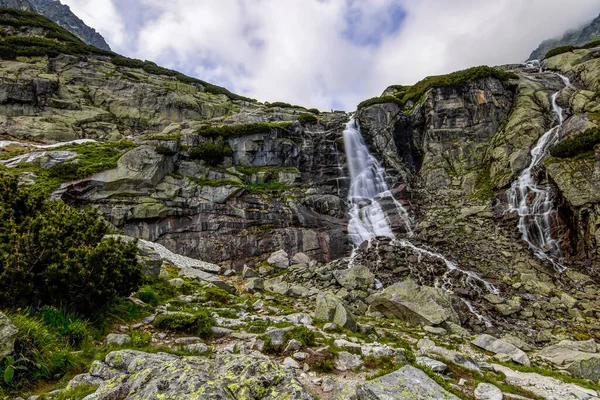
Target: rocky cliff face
576 37
62 15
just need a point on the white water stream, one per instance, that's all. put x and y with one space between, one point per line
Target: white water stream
533 203
368 220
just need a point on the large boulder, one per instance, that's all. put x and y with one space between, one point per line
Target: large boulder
8 333
356 277
416 304
130 374
498 346
331 308
567 351
407 383
279 259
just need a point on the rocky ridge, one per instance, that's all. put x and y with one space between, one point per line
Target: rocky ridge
63 16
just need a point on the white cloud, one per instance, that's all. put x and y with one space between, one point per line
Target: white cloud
103 16
307 51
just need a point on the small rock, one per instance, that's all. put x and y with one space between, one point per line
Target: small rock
346 361
249 273
279 259
301 258
346 345
220 332
331 308
435 330
197 348
118 339
502 357
300 356
299 319
254 284
277 335
329 327
293 345
329 385
188 340
229 272
486 391
8 333
258 305
435 365
176 281
291 363
496 346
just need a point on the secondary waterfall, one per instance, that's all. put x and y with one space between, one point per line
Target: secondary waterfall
368 219
533 203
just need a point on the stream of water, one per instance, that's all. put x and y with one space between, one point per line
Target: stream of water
534 204
368 220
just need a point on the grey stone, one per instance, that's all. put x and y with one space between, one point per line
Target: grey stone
188 340
343 344
8 334
435 330
417 304
356 277
118 339
407 383
249 273
497 346
292 346
331 308
567 351
586 368
176 282
225 376
289 362
220 332
435 365
197 348
279 259
255 284
329 385
301 258
487 391
346 361
299 319
277 335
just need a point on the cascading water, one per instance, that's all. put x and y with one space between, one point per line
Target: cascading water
367 188
368 220
534 204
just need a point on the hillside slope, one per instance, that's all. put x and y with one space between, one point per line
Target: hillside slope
63 16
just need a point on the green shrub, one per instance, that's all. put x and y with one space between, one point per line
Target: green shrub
92 158
39 353
199 323
380 100
147 295
324 366
578 144
52 254
565 49
140 339
212 153
559 50
302 334
279 104
217 295
227 131
164 150
315 111
306 119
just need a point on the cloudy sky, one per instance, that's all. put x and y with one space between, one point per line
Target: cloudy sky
327 53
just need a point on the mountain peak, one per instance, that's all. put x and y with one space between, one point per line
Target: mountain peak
576 37
63 16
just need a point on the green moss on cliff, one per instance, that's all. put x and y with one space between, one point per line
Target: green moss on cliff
415 93
568 48
307 119
579 144
212 153
227 131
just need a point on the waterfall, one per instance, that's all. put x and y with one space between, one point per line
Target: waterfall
368 220
534 204
367 188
